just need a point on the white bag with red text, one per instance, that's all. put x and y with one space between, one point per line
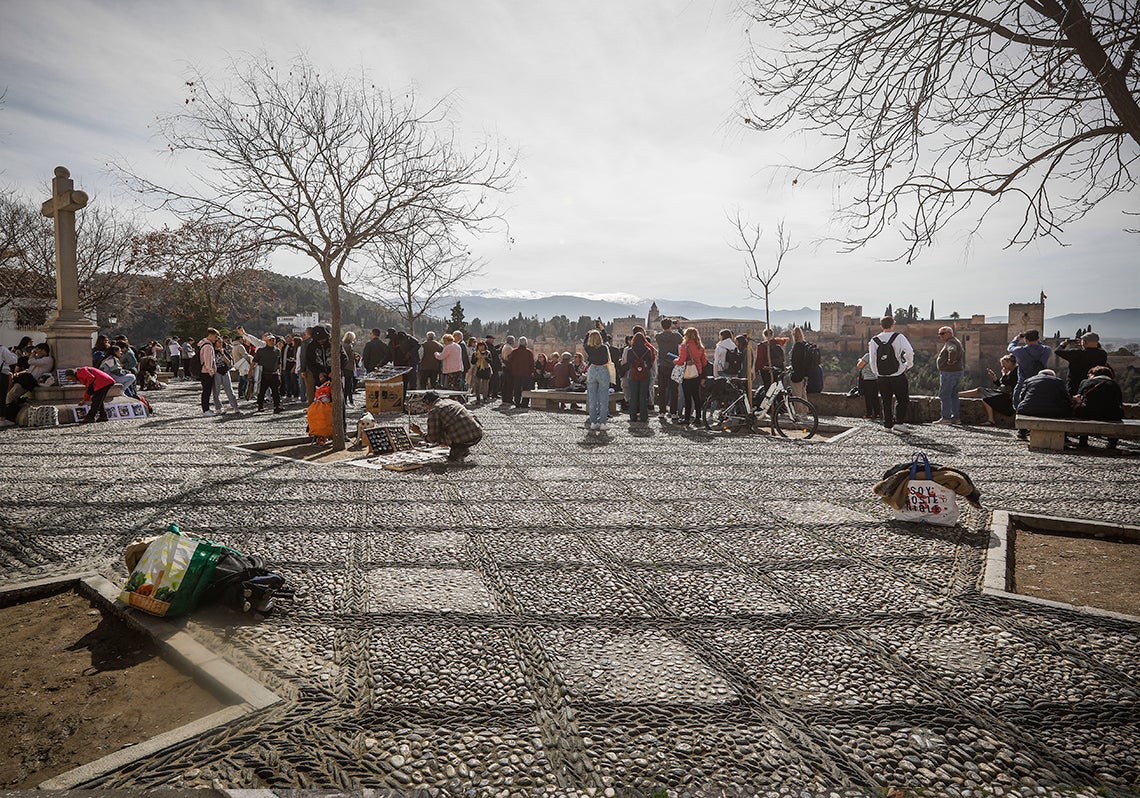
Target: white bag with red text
926 500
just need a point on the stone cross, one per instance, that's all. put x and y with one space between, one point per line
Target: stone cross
64 202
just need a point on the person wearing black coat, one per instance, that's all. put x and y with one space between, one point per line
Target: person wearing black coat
1082 358
318 356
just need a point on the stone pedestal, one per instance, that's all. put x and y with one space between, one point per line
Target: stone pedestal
70 341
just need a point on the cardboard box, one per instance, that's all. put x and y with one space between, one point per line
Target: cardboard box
384 396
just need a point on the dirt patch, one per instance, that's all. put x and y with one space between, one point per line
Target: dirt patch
322 454
1084 571
79 685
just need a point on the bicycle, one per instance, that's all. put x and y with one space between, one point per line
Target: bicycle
728 409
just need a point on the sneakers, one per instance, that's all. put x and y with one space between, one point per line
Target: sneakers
208 413
902 428
944 421
602 427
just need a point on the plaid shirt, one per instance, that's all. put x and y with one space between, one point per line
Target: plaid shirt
450 423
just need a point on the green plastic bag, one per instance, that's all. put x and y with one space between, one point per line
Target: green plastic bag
171 575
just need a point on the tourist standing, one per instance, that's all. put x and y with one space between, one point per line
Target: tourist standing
597 381
376 352
451 363
1032 357
268 358
521 367
668 346
951 359
506 386
429 364
890 355
692 357
770 359
638 358
173 356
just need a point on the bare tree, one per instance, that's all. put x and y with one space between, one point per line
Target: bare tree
325 166
755 271
205 269
938 107
27 257
419 268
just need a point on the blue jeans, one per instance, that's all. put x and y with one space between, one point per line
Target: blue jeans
638 399
948 382
598 393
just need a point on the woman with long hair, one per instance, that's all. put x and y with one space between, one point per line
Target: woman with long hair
692 356
597 381
799 363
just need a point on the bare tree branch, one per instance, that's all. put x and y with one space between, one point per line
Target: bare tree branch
328 167
947 108
755 272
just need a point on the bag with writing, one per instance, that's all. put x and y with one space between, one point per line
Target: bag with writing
926 500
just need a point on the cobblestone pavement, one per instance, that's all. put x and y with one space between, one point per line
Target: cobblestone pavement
658 608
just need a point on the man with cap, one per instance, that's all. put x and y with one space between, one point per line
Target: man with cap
269 358
1082 356
450 424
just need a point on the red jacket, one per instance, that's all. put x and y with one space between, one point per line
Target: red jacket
93 378
694 353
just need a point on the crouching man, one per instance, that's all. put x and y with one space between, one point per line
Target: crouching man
450 424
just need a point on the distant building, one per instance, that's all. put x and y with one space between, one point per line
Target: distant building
299 321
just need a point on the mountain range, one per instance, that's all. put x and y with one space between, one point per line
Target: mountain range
1118 325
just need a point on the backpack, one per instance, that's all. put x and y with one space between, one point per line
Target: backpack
639 366
733 360
813 355
886 361
244 583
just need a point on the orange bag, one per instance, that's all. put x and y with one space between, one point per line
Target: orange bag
321 420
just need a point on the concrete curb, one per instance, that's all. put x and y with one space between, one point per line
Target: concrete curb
247 695
999 558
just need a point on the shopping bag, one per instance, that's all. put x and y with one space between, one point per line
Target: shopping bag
320 418
678 374
926 500
171 574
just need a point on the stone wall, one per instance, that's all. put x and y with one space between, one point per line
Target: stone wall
922 408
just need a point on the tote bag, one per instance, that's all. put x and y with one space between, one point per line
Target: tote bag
926 500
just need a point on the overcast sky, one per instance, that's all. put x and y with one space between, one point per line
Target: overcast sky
623 115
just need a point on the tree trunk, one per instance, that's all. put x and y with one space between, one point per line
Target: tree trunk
337 375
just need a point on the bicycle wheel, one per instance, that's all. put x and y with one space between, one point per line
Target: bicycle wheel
722 416
793 417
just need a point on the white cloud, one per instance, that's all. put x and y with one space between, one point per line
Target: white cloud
622 113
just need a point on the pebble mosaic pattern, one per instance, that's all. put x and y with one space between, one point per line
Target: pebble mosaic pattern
654 609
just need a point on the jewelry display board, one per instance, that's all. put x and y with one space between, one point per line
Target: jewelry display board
385 440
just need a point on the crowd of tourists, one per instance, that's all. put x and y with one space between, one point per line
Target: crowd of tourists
665 371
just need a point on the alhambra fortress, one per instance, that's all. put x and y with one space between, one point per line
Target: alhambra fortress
844 328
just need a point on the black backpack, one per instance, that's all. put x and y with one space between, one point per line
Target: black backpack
813 355
886 361
733 360
243 583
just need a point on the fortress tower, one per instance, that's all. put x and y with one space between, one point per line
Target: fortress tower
1027 316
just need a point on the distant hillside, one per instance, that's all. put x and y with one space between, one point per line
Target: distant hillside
1119 325
489 308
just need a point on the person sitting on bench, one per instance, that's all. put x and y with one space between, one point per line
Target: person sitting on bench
1099 398
1044 395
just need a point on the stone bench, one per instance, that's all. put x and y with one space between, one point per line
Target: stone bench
546 398
1049 433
